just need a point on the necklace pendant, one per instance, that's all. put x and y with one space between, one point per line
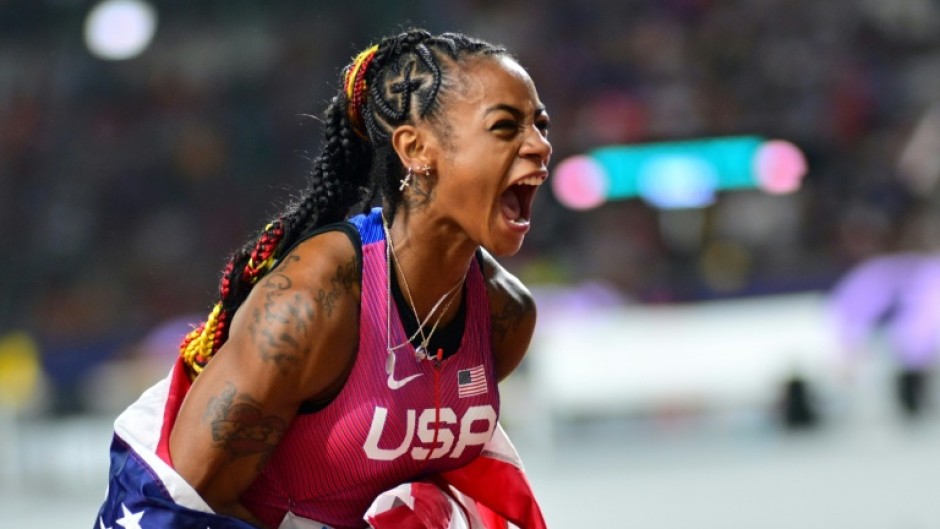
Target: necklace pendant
420 353
390 363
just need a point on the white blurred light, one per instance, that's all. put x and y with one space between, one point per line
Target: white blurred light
919 165
120 29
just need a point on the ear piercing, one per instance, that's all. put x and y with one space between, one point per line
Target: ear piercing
406 181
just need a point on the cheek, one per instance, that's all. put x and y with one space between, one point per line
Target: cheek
475 178
470 193
475 173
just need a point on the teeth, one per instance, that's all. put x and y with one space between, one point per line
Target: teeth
531 181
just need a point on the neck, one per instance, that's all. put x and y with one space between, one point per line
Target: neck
432 256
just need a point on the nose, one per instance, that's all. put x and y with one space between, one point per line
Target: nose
537 146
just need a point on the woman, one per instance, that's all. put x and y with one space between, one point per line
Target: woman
347 357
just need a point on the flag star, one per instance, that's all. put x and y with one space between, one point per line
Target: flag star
130 520
101 523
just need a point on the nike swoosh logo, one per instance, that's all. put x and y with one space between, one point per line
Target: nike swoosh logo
398 384
390 369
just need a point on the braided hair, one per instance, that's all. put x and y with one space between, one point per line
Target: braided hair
399 81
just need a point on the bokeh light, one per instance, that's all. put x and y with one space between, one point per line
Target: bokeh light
675 182
120 29
779 167
580 183
679 174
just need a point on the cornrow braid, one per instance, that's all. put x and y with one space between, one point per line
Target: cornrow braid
406 70
398 81
406 80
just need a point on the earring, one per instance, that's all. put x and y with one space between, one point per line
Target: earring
406 181
427 170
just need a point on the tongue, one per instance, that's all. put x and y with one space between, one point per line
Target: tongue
511 207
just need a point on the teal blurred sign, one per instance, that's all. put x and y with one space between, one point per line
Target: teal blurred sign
680 174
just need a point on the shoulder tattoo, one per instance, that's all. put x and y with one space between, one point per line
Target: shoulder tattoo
240 426
282 326
343 282
282 323
510 316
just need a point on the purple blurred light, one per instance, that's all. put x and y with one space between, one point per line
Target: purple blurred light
899 292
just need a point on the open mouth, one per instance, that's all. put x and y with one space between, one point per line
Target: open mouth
517 200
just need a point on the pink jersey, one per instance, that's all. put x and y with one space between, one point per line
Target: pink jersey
392 422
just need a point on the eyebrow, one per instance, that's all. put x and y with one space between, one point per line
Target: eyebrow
518 114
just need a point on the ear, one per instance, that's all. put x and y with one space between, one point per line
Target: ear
413 145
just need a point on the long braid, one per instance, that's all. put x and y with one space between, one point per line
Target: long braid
398 81
328 198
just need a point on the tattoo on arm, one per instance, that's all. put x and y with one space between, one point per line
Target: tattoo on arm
347 276
277 325
509 318
240 427
342 282
281 327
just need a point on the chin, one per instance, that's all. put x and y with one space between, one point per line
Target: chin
504 248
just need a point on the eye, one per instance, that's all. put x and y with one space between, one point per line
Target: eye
505 124
543 124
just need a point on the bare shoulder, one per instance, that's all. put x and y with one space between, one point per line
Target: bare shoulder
512 315
325 267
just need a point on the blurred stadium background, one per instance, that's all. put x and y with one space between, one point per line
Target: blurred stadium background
753 360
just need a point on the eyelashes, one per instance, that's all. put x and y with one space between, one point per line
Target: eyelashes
505 124
543 124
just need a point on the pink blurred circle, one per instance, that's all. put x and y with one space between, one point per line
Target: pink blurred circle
780 167
580 182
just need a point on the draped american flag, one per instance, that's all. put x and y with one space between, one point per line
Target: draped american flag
139 499
144 492
471 382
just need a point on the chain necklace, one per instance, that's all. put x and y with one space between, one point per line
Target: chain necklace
421 352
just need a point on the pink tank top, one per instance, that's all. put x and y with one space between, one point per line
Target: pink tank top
384 428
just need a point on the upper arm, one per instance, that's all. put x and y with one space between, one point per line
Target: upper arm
292 339
512 316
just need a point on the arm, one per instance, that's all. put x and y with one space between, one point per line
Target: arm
293 339
512 316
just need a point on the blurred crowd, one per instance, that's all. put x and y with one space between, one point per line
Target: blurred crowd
124 185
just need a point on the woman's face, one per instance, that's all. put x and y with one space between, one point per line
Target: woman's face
494 153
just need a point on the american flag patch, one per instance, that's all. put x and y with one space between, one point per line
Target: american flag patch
471 382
